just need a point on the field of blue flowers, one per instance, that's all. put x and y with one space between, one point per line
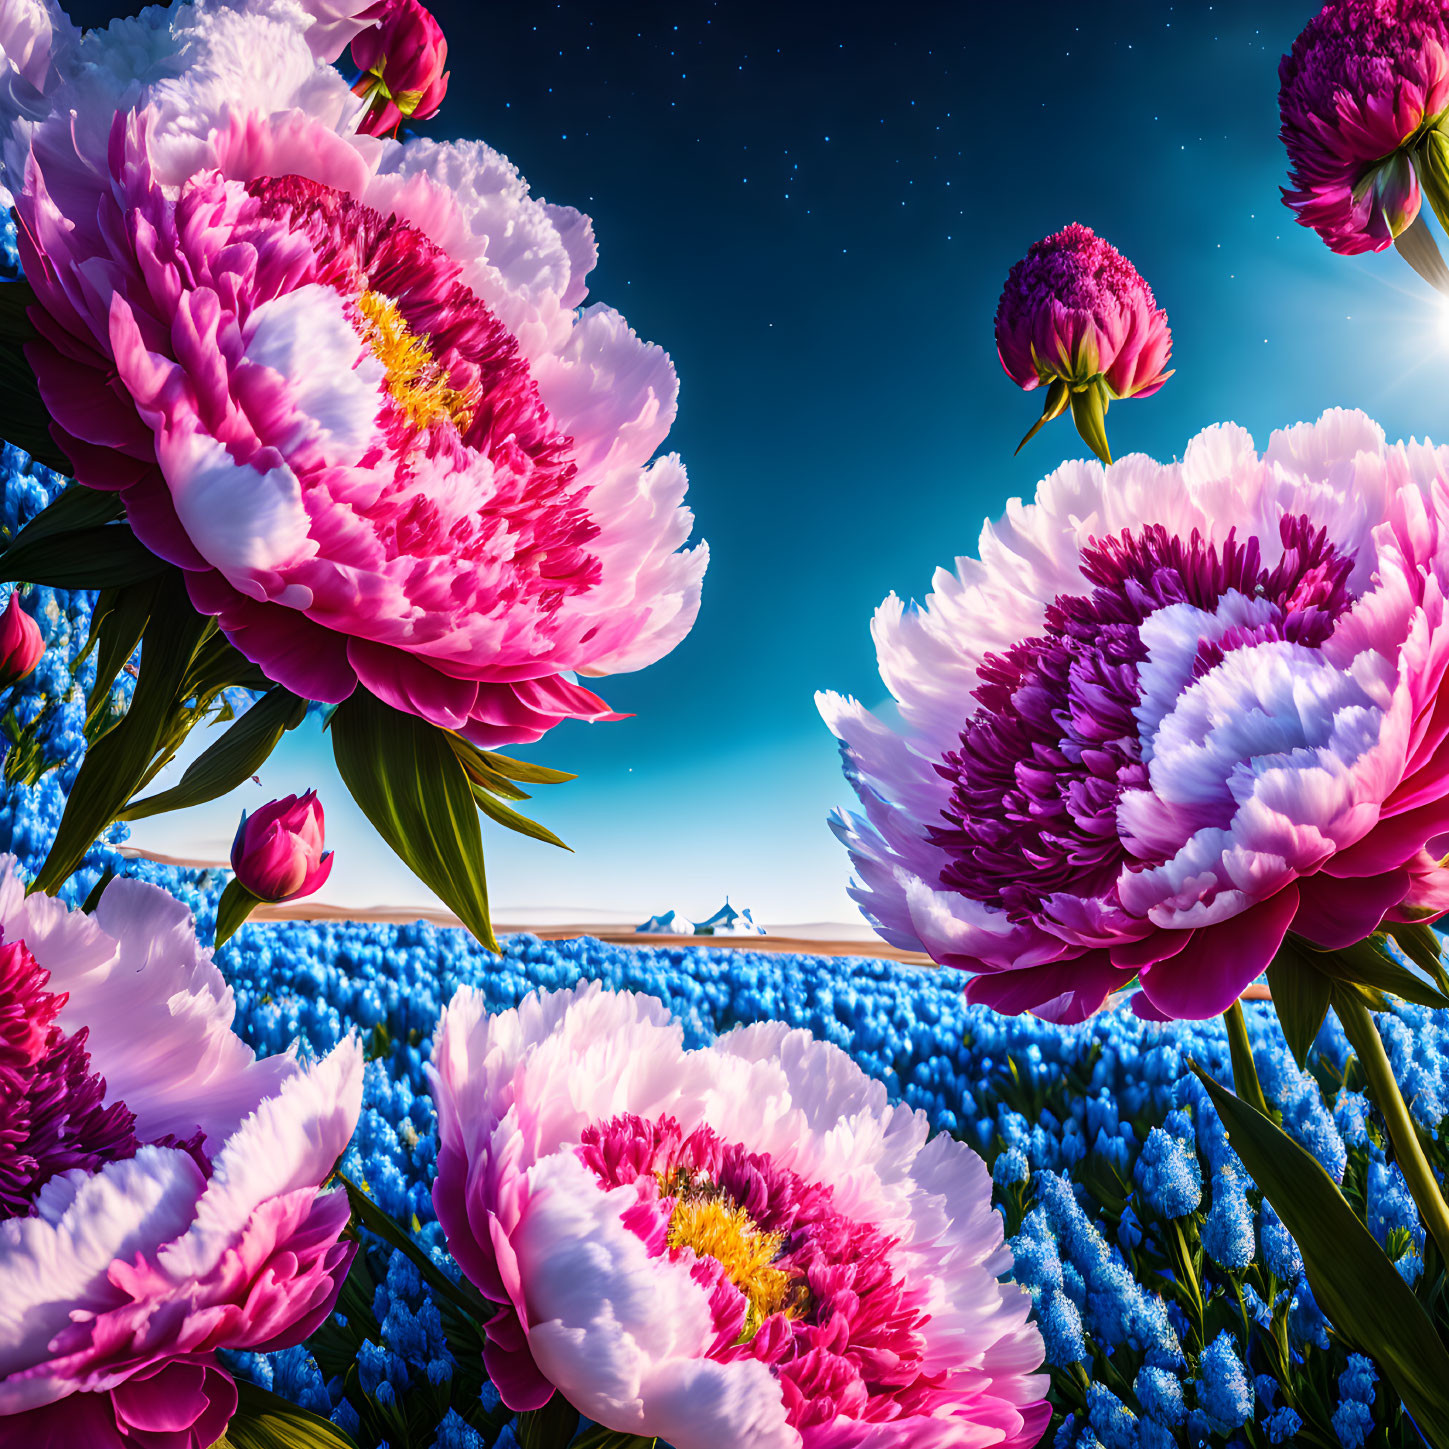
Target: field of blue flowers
1173 1302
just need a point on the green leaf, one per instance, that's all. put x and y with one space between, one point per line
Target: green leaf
24 418
1420 942
551 1427
76 507
235 757
1368 964
1300 996
599 1437
232 910
1089 413
218 665
115 765
118 634
106 557
264 1420
1353 1280
408 781
512 820
462 1295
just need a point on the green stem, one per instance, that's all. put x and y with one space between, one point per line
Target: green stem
1245 1073
1359 1026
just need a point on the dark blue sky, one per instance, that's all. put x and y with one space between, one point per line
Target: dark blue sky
813 209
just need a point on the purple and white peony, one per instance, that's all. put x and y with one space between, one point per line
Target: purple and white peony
1171 712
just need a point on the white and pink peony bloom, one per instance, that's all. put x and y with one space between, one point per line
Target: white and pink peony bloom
160 1192
341 382
743 1244
1170 714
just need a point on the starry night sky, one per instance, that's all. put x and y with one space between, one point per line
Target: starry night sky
813 209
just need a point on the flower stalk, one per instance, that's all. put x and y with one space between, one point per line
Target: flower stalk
1368 1046
1245 1071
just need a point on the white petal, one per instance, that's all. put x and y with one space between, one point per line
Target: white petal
55 1264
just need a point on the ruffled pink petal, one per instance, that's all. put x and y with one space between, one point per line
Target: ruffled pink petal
1219 962
1336 913
1065 992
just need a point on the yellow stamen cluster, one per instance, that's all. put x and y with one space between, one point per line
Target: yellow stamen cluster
717 1228
417 383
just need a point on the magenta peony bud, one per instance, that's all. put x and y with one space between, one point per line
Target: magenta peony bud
1076 317
277 854
20 643
1363 89
403 62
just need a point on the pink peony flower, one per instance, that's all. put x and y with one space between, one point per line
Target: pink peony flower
21 646
1076 317
1365 83
403 60
342 384
743 1244
1173 712
159 1186
277 853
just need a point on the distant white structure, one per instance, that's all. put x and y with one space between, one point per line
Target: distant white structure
729 922
671 923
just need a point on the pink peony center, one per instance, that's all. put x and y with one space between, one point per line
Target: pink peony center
460 396
53 1113
1056 741
793 1282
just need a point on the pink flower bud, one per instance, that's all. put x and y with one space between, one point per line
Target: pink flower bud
1075 308
1363 85
403 61
20 643
277 854
1076 317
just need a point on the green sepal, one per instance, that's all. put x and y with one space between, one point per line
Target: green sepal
510 819
235 757
115 767
1055 404
1431 164
529 773
462 1295
1301 994
232 910
93 896
1368 963
408 781
1089 413
1352 1279
551 1427
24 417
264 1420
